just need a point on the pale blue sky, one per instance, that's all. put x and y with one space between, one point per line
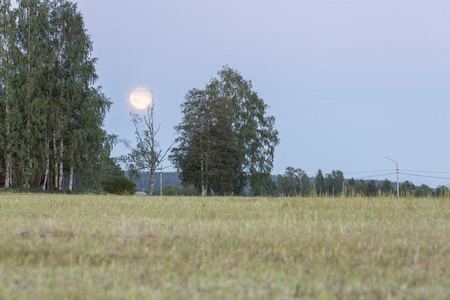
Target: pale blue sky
348 81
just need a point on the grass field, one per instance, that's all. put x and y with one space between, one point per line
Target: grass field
116 247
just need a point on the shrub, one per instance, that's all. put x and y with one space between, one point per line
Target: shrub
189 191
170 190
119 185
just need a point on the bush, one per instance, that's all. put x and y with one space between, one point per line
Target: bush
119 185
155 191
189 191
170 190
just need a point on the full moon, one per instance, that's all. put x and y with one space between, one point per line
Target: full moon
141 98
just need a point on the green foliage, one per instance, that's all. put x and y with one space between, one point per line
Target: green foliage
189 191
407 189
334 183
386 187
442 191
360 188
320 183
263 185
424 191
53 114
119 185
170 190
111 168
290 184
156 191
371 188
225 136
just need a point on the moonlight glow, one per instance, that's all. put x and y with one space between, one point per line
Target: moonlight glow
141 98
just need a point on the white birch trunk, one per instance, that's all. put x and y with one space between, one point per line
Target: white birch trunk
152 181
8 171
55 155
27 177
203 181
8 128
47 154
61 165
28 167
71 170
8 149
71 179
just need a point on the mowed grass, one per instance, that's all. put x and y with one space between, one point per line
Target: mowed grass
117 247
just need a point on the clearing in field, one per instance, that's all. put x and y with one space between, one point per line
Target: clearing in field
86 247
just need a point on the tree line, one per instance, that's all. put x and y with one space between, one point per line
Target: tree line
225 146
295 182
50 109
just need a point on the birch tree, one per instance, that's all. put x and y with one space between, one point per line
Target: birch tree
7 39
51 112
226 139
192 152
33 38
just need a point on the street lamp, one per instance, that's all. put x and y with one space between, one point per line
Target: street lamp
396 167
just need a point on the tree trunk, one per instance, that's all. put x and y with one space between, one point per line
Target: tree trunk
28 166
160 184
55 155
152 181
27 177
8 171
61 166
71 170
71 179
8 148
8 128
203 180
47 154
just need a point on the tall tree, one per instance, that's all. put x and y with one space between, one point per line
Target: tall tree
407 189
53 114
264 186
147 155
320 183
225 137
32 41
338 182
386 187
291 182
7 54
306 185
360 188
192 154
80 108
371 188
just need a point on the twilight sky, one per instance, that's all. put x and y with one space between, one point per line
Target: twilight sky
348 81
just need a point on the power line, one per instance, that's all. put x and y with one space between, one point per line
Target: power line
378 175
362 172
402 173
432 172
425 176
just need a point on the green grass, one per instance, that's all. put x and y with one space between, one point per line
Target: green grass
116 247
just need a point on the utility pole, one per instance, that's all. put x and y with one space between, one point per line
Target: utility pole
396 168
160 177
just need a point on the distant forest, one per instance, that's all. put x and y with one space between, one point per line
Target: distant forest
294 183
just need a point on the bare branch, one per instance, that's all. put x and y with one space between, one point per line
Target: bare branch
147 155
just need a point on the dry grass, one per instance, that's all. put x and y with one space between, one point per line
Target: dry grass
103 247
